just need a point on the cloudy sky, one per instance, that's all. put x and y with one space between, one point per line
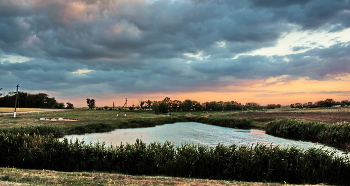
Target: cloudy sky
263 51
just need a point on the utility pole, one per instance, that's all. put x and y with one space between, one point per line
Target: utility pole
14 114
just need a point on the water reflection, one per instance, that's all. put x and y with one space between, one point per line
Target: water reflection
194 133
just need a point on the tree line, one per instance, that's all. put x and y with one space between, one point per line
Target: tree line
322 104
27 100
167 105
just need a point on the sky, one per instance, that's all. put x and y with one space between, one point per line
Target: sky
263 51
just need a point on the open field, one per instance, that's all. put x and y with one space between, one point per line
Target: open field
327 116
9 110
84 115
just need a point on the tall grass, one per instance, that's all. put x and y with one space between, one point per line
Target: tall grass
231 122
337 134
40 130
249 163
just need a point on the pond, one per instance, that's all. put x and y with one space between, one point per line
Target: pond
192 133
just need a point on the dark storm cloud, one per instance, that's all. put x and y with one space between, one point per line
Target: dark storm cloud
309 13
162 45
280 3
315 63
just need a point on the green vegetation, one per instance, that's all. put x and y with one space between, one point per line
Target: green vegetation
28 142
91 121
255 163
27 100
337 135
15 176
231 122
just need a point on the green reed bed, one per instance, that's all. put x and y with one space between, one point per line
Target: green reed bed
337 134
231 122
249 163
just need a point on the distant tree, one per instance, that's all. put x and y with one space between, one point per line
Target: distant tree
59 106
213 106
273 106
345 103
149 104
0 92
166 100
175 105
253 106
232 105
329 102
197 106
142 103
26 100
321 104
187 105
298 105
90 103
160 107
69 105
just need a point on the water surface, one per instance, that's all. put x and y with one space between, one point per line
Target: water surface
193 133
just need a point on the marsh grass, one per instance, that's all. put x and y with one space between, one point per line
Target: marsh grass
230 122
246 163
336 134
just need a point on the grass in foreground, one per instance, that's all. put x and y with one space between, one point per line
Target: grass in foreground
13 176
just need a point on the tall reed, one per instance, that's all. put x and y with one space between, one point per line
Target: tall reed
337 134
248 163
231 122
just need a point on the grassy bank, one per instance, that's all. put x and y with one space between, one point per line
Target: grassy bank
87 121
336 135
14 176
256 163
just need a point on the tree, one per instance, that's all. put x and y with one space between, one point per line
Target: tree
149 104
213 106
253 106
321 104
187 105
26 100
90 103
69 105
329 102
59 106
142 103
0 92
345 103
160 107
175 105
273 106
